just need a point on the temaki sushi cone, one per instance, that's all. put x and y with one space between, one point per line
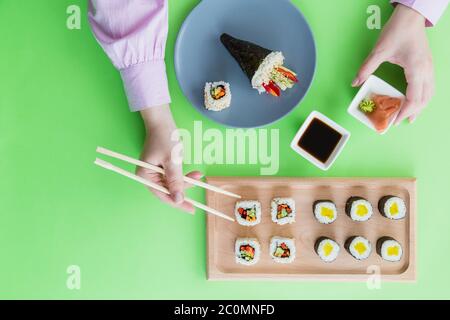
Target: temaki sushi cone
263 67
247 54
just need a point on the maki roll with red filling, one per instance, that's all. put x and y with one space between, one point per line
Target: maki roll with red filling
283 211
282 250
248 213
247 251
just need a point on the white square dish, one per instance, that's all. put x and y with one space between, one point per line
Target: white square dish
373 85
337 150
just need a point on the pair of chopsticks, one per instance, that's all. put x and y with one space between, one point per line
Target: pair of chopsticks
109 166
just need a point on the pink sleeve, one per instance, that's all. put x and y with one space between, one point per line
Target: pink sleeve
133 34
432 10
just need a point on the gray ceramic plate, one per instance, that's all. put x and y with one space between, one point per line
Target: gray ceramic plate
200 57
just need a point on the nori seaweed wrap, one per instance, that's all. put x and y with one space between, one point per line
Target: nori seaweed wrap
247 54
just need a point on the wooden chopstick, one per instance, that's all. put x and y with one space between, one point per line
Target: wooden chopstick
160 170
158 187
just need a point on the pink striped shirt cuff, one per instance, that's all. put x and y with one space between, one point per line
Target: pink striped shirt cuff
432 10
146 84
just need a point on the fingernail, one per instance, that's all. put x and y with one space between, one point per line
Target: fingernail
355 82
178 197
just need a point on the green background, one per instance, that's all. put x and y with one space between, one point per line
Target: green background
60 97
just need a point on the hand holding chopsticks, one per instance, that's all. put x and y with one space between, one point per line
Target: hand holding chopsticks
156 186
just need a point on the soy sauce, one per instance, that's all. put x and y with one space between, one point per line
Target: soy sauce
319 140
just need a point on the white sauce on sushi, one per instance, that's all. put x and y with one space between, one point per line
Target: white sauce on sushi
217 95
325 211
247 251
282 250
360 248
327 249
248 213
360 210
263 74
283 210
391 250
394 208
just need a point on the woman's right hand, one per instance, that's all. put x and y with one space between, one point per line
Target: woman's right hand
158 150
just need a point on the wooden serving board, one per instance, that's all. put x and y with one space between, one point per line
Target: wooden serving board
221 234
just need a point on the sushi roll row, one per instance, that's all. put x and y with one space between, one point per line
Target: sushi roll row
360 209
248 250
248 213
359 248
283 250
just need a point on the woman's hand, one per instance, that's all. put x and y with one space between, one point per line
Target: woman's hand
404 42
158 148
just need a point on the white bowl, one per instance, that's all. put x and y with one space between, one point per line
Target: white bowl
373 85
345 136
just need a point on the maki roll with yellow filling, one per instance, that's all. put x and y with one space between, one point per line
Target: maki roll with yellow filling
262 66
248 213
359 247
389 249
358 209
282 250
283 210
327 249
247 251
392 207
325 211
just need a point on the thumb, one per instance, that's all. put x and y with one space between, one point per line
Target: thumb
369 66
174 181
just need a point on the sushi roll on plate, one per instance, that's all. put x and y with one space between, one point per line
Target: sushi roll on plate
327 249
217 96
248 213
263 67
389 249
247 251
359 247
283 210
325 211
358 209
282 250
392 207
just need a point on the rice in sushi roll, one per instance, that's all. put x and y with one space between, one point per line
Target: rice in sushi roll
247 251
217 96
389 249
358 209
283 210
282 250
325 211
262 66
248 213
392 207
359 247
327 249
